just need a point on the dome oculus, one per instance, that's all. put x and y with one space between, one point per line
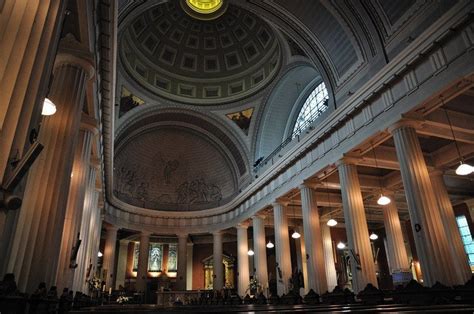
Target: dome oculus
204 6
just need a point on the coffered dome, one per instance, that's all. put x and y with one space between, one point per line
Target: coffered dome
176 56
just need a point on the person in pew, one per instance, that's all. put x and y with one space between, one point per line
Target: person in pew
8 285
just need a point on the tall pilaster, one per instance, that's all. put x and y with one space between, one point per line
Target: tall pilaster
75 205
142 271
282 248
121 263
182 261
329 264
108 265
218 266
430 240
397 254
36 245
313 241
362 260
260 250
242 259
458 254
189 266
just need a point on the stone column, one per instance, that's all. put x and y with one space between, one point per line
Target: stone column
182 261
189 266
142 271
397 254
301 257
282 248
218 267
121 264
431 243
313 241
458 254
329 264
260 249
362 260
242 259
108 264
36 245
75 205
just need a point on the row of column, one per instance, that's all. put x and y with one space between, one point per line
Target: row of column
437 239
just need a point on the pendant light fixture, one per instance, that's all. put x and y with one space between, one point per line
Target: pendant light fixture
463 169
331 222
250 252
341 246
373 236
270 245
295 234
382 200
49 108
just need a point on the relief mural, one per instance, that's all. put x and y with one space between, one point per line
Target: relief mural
128 101
242 119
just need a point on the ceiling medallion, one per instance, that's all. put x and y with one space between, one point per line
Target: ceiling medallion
204 9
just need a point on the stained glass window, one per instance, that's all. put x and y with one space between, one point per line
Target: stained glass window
136 252
155 257
314 106
172 258
466 237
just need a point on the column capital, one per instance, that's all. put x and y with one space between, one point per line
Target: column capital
217 233
145 233
181 235
242 225
111 228
259 216
348 160
90 124
124 241
310 184
404 123
281 201
67 58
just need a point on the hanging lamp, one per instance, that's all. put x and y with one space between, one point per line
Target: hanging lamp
295 234
49 108
373 236
331 222
382 200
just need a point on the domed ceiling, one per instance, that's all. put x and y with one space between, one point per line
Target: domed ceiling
173 168
176 56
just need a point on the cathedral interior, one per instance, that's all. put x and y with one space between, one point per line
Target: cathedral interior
259 155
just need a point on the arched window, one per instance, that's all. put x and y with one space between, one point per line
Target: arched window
314 106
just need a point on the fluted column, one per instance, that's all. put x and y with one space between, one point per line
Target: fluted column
313 241
282 248
142 271
430 240
301 256
182 261
260 250
36 246
189 265
362 260
108 265
458 254
75 204
218 267
87 209
329 264
242 259
397 254
121 263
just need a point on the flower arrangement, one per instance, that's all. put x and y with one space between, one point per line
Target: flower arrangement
94 284
254 286
122 299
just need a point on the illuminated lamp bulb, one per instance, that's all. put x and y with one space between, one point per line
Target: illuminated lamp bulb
332 222
383 200
464 169
49 108
373 236
250 252
100 254
270 245
341 246
295 235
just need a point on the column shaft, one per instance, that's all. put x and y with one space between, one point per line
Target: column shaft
75 205
458 254
313 241
189 266
397 254
218 267
302 258
108 265
282 249
430 239
260 249
329 264
142 271
182 261
121 264
37 242
242 260
362 260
